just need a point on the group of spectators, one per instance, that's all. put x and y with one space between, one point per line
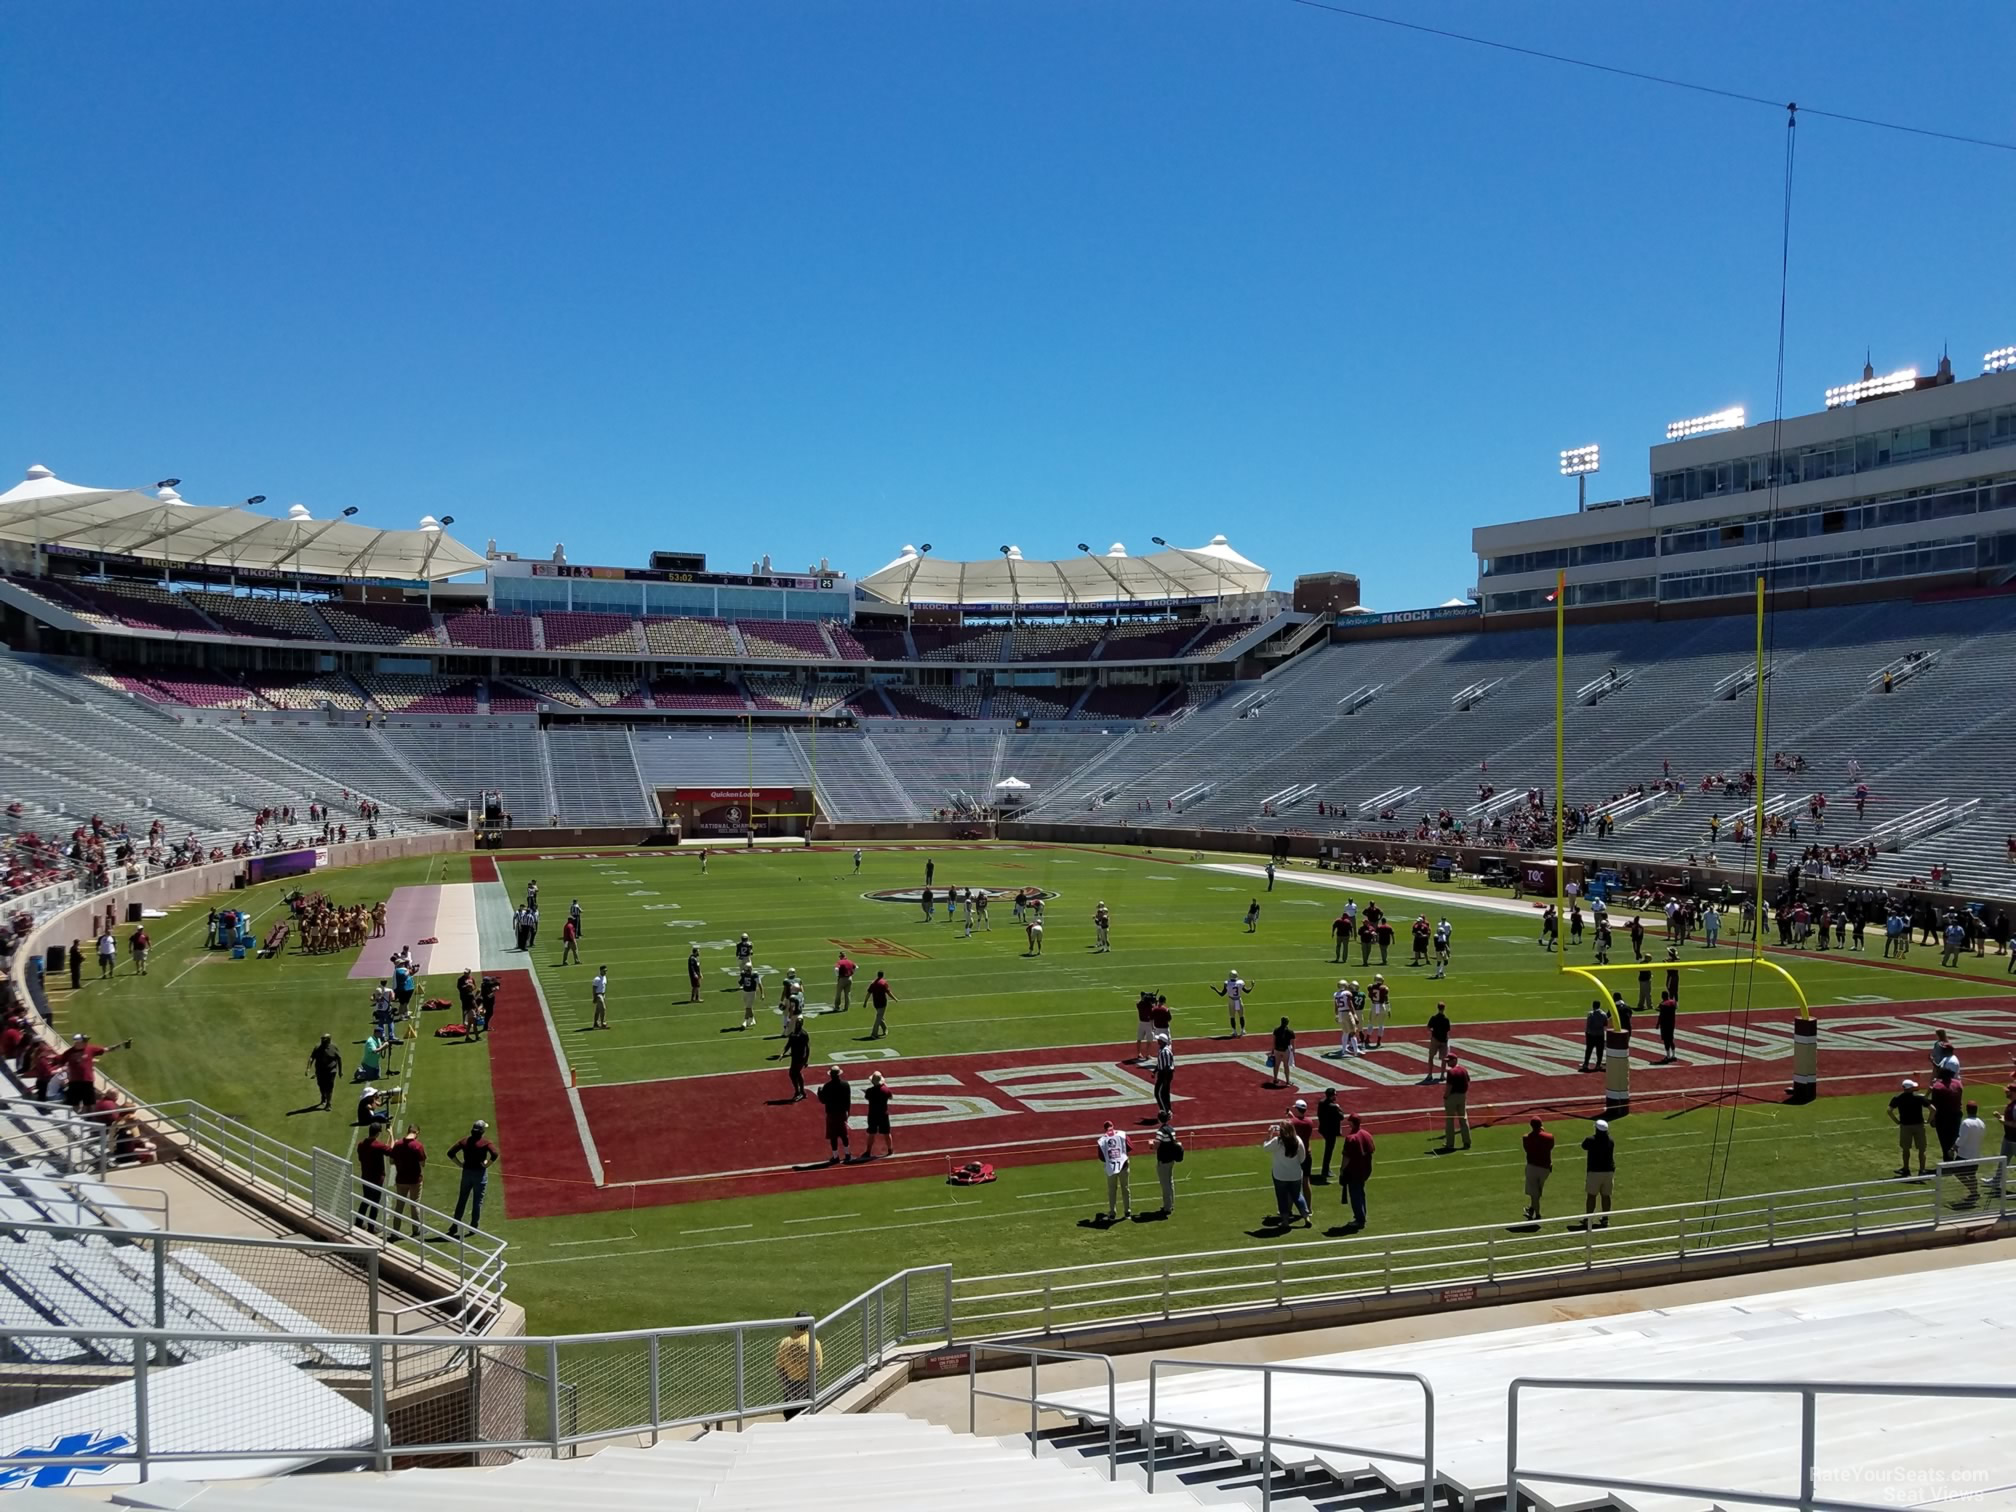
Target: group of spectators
66 1081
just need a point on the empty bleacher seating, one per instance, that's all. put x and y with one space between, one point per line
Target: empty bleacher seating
601 784
689 637
559 690
494 632
1055 642
960 643
614 633
244 614
612 692
325 689
844 642
696 693
428 693
882 645
380 624
784 638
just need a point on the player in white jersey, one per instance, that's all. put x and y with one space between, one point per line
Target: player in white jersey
1234 992
1442 932
1345 1004
1378 1009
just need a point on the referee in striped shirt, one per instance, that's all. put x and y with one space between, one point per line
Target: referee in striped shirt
1165 1071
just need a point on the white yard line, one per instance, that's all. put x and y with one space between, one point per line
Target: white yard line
824 1218
573 1092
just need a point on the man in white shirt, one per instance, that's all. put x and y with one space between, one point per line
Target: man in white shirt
1112 1146
1967 1147
600 987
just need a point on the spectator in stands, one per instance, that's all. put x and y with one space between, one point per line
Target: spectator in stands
325 1064
1538 1145
475 1154
1600 1153
799 1358
1907 1111
80 1069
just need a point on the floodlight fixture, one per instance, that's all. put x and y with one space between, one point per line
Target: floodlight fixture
1702 425
1900 382
2001 360
1577 461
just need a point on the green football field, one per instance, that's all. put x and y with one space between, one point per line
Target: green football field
235 1035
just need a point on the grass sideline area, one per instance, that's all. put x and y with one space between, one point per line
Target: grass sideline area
235 1035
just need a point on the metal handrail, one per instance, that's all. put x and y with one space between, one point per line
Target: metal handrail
381 1351
1041 1300
1268 1438
872 1306
474 1260
1808 1393
1036 1401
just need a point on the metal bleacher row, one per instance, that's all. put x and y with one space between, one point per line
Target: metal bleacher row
1891 1328
76 1252
1346 725
1353 721
841 1463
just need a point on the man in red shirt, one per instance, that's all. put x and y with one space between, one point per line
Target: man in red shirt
1539 1147
372 1151
409 1169
79 1063
1455 1104
843 984
1356 1169
570 943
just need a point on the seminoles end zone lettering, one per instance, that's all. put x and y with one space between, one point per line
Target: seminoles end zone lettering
1102 1086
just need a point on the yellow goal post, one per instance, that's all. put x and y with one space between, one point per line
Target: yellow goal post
1594 975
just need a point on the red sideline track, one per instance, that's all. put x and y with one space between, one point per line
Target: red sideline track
738 1134
534 1123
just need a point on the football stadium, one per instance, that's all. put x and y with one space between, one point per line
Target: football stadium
1111 1021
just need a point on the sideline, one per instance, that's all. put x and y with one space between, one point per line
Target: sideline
1369 884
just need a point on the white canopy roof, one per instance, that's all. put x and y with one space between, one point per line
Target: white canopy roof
163 527
1013 784
1213 570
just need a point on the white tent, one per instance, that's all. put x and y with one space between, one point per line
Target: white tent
165 528
1176 573
1013 784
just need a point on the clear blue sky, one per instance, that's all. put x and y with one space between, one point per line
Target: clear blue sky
823 277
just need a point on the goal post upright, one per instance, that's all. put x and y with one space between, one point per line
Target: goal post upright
1805 1042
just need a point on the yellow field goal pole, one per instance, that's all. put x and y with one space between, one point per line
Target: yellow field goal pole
1594 974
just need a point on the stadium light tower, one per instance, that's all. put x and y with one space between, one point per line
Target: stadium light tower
2001 360
1578 462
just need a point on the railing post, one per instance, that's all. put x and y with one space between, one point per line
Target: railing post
1153 1436
1046 1304
1770 1222
1938 1175
140 1424
903 1311
812 1365
1266 1439
1430 1491
1808 1435
1512 1448
1280 1286
160 1249
2001 1186
1855 1213
553 1395
741 1381
973 1389
1490 1257
1165 1289
652 1358
373 1276
1112 1421
1032 1404
948 1304
381 1431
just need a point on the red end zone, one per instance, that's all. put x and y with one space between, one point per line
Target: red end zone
739 1134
